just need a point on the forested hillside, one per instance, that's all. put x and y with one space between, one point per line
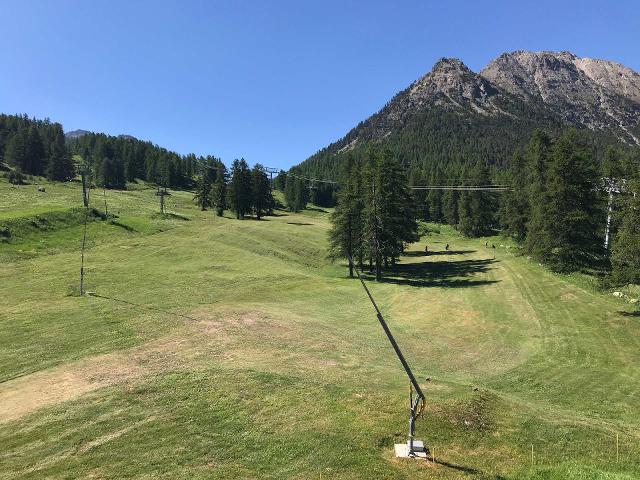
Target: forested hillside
121 159
34 147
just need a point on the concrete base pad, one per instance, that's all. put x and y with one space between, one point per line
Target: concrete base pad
402 450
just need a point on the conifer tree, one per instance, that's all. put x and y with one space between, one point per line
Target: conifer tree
240 189
262 199
296 193
477 208
345 236
60 166
389 212
219 193
574 209
372 220
204 186
35 154
16 151
435 197
625 257
537 157
301 195
516 209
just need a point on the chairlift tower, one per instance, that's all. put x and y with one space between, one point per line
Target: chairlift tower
162 192
270 171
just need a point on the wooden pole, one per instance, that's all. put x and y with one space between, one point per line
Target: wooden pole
84 240
104 194
85 198
532 454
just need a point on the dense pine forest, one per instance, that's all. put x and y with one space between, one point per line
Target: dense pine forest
34 147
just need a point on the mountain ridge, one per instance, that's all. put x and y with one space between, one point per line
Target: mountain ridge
498 107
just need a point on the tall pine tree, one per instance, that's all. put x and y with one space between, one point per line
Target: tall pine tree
574 213
345 236
219 194
262 199
240 189
60 166
516 209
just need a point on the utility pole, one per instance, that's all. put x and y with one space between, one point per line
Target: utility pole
85 193
104 194
85 201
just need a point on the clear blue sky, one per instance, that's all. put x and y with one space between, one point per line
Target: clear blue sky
269 80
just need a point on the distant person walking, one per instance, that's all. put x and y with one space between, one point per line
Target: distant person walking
446 247
426 250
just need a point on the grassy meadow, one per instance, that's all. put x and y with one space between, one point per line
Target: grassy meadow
217 348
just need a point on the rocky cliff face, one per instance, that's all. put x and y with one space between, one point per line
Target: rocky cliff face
597 94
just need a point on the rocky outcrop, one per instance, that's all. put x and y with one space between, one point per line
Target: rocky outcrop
597 94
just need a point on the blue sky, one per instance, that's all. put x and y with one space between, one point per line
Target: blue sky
272 81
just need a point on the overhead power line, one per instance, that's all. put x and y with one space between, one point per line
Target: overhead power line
311 179
490 188
486 188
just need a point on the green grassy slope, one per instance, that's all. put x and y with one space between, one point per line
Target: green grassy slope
216 348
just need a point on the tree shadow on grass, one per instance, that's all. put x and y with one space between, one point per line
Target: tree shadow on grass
316 209
418 253
298 223
629 314
460 468
439 273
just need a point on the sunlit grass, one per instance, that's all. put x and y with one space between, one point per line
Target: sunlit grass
216 348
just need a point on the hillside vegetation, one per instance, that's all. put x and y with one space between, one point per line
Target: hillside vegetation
218 348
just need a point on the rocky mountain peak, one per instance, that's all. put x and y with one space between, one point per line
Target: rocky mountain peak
451 80
598 94
76 133
499 107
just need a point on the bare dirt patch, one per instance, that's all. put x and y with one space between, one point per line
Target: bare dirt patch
24 395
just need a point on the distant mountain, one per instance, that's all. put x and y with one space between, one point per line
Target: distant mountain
81 133
453 114
76 134
127 137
